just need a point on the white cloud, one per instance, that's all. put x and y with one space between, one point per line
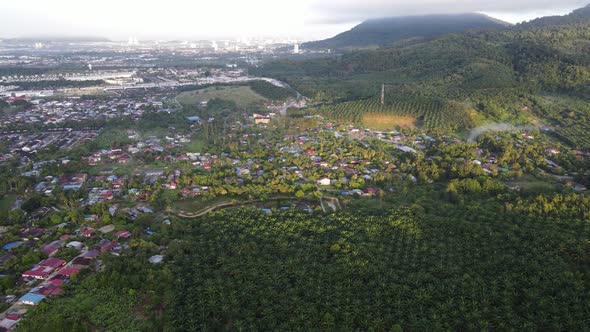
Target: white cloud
354 10
193 19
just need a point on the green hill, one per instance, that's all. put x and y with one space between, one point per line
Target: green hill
386 31
494 73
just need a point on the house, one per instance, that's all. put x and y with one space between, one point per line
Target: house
9 322
579 187
56 281
35 233
123 234
51 248
511 186
88 232
52 262
106 194
11 245
369 192
107 229
153 172
82 261
156 259
13 316
76 245
406 149
91 218
324 182
47 290
38 272
31 299
106 245
73 182
68 271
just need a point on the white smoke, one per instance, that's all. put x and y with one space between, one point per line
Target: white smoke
497 127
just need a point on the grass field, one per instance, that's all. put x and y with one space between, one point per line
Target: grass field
197 204
531 184
380 121
195 145
243 96
6 202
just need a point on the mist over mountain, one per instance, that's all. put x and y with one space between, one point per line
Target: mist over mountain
386 31
578 16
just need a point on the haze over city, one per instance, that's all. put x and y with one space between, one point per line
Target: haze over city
180 19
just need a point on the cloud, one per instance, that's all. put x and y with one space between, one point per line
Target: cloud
342 11
194 19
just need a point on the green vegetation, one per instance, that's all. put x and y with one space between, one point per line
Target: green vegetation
271 91
433 232
452 268
560 206
6 202
497 73
431 112
195 205
100 302
243 96
571 114
9 108
577 135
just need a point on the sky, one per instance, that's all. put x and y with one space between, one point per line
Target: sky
210 19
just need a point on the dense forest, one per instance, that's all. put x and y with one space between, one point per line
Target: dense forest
427 267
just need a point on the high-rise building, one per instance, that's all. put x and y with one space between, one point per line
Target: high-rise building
296 48
132 41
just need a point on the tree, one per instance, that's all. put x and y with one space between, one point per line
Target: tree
299 194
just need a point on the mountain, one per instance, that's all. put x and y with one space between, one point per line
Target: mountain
386 31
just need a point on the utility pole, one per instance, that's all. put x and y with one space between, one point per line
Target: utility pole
382 93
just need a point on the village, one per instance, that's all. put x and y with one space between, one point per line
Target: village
89 184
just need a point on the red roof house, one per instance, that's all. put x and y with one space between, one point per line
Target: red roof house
39 272
68 271
52 262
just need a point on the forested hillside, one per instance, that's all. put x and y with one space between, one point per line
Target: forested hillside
495 73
